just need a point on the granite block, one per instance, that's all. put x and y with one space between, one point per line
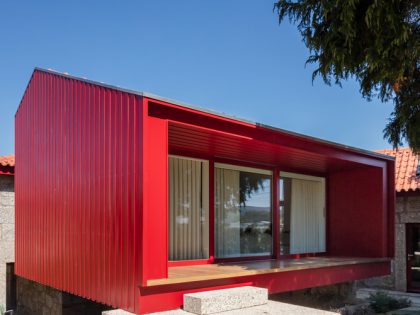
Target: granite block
216 301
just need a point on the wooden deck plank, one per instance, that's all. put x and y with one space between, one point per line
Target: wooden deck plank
184 274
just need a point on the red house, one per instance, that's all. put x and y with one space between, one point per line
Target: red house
133 200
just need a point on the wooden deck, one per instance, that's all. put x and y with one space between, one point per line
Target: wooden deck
186 274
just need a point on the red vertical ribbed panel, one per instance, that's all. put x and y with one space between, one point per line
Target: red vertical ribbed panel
78 188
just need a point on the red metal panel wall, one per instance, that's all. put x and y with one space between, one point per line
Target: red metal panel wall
79 189
155 198
357 213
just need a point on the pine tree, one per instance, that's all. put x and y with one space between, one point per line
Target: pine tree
377 42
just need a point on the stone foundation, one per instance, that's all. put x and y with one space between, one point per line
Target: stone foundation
34 298
384 282
344 292
37 299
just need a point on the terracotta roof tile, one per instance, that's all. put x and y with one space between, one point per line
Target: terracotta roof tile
8 160
406 163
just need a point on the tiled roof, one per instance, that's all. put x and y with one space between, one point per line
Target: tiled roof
8 160
406 169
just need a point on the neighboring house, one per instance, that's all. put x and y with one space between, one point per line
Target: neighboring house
407 220
133 200
7 233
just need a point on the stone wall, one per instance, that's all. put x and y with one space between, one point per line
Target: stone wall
7 230
407 211
34 298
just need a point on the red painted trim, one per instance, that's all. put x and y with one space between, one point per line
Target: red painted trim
275 225
211 210
179 263
280 167
304 255
268 257
385 218
189 154
7 174
289 169
203 156
244 258
7 170
391 209
327 213
244 163
413 193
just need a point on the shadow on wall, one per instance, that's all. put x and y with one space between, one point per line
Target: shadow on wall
35 298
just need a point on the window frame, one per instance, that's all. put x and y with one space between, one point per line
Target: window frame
257 170
208 208
276 172
322 178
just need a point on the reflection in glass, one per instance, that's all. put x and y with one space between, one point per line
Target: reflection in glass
243 214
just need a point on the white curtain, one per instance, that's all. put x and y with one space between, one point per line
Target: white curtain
188 209
227 215
307 216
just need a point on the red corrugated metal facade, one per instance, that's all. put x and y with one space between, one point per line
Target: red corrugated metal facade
76 209
92 191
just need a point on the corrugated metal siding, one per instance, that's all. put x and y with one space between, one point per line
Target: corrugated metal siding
77 189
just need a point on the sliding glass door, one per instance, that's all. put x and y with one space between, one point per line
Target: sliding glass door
242 211
302 214
188 208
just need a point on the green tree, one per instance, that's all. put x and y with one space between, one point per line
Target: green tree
375 41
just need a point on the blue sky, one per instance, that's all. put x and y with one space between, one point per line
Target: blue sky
229 56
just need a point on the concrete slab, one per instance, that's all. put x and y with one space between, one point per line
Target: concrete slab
271 308
216 301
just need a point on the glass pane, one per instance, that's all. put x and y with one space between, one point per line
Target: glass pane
302 216
188 209
243 213
285 211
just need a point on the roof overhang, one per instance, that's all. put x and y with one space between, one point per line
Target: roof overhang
192 131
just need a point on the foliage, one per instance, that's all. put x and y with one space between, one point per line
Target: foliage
250 183
375 41
382 302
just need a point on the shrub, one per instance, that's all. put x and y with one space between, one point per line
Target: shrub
382 302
